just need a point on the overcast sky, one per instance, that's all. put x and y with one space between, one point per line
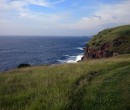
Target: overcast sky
61 17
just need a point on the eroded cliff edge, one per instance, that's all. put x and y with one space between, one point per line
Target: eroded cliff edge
108 43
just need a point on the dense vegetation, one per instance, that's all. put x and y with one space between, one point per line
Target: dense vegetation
102 84
118 38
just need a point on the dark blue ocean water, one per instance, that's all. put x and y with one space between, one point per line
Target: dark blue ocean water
39 50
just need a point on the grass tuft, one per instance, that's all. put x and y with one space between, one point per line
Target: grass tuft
101 84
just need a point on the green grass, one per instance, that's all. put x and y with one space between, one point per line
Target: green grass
102 84
117 37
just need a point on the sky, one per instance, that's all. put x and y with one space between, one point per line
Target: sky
61 17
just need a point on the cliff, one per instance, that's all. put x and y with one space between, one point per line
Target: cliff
108 43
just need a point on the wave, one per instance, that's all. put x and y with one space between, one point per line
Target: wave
80 48
66 55
84 43
71 59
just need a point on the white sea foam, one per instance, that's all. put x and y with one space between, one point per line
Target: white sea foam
72 59
66 55
80 48
79 57
84 43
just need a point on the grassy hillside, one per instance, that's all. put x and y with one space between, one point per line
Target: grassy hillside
102 84
118 39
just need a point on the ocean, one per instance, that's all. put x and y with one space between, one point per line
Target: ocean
40 50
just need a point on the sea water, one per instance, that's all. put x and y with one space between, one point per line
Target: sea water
40 50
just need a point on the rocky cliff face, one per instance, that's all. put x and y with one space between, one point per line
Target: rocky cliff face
108 43
91 53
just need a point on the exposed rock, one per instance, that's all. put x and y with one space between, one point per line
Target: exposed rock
108 43
24 65
103 52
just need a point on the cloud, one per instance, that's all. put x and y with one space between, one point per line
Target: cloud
24 21
58 1
39 2
21 5
116 14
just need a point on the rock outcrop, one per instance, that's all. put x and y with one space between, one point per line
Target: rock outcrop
103 52
108 43
24 65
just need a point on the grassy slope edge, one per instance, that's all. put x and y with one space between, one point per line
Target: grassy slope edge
93 85
117 37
